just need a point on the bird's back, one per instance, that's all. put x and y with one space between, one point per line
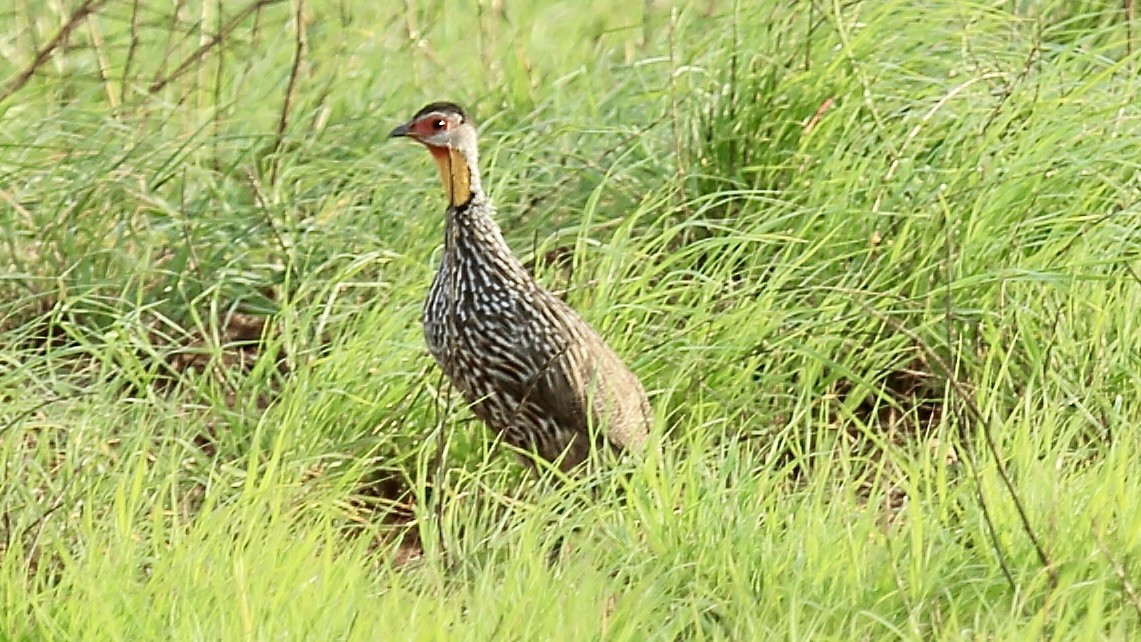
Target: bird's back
534 371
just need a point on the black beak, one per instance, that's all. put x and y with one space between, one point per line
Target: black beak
401 130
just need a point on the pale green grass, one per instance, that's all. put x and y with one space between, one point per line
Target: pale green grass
764 208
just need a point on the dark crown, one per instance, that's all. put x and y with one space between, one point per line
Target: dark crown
441 107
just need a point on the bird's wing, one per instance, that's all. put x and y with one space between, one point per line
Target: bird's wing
580 380
554 383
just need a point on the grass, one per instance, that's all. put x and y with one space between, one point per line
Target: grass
877 264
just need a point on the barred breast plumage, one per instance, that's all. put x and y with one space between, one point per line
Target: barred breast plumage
528 364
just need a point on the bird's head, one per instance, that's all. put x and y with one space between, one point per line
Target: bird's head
449 135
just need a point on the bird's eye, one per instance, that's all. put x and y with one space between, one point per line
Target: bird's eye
439 124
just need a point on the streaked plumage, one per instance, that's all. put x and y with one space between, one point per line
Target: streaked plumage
530 367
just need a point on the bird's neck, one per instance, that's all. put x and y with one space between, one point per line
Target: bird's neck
470 220
472 235
473 224
460 178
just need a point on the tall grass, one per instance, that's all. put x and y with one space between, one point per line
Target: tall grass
876 263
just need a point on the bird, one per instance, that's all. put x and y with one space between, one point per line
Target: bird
533 371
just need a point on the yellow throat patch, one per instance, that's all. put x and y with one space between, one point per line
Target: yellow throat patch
454 173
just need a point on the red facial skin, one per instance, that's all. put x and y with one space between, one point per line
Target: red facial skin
425 128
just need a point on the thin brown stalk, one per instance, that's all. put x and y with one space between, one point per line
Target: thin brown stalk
534 201
647 24
1129 14
256 37
216 118
976 415
263 205
199 84
45 53
171 30
189 61
132 47
300 45
808 35
442 409
411 30
674 107
1127 586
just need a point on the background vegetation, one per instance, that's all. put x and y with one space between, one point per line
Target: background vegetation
876 262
